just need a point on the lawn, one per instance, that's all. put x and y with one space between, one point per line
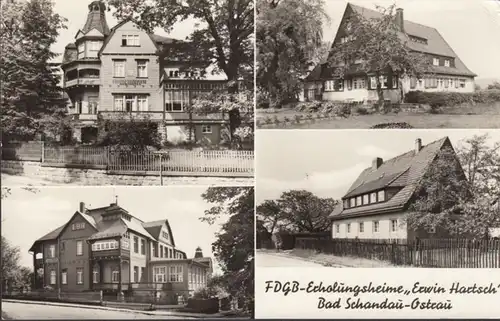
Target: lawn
478 116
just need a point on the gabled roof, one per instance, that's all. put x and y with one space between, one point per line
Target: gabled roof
436 44
154 228
403 171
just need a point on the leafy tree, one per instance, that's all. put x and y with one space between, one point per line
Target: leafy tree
289 41
11 256
495 85
130 133
224 35
239 106
297 211
30 90
375 47
234 247
459 191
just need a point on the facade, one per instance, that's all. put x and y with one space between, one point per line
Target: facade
376 204
109 249
117 72
447 73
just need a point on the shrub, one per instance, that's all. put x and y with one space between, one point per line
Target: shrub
450 99
392 125
362 110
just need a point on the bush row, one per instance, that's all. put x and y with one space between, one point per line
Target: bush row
450 99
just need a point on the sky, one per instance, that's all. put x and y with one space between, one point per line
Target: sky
326 163
27 216
471 27
76 13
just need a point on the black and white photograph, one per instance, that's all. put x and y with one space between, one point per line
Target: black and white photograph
377 64
127 253
354 199
121 92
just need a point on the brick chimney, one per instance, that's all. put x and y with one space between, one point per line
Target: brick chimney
377 162
400 21
418 145
82 207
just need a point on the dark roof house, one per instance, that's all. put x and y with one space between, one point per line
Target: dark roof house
430 42
398 177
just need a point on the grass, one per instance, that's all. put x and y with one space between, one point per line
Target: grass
467 116
337 261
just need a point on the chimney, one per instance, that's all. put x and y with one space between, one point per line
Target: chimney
82 207
418 145
377 162
400 21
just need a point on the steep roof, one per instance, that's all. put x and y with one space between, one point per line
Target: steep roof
436 44
109 229
154 228
96 19
404 171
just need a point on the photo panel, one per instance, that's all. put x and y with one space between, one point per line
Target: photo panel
371 224
127 252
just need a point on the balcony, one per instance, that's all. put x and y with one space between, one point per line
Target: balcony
91 117
83 81
110 254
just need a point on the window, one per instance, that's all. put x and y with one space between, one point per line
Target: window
359 83
52 277
64 276
106 245
329 85
348 227
81 50
159 274
375 226
446 63
77 226
118 68
361 227
170 253
206 129
373 198
125 243
366 199
79 275
384 82
52 251
346 203
353 202
435 61
136 244
136 274
164 235
143 271
93 48
373 82
130 40
142 103
143 246
95 275
358 201
155 250
337 228
462 83
118 103
394 225
79 247
129 103
161 250
175 273
381 196
142 68
165 252
115 276
176 100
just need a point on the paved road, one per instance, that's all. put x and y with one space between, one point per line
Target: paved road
19 311
276 260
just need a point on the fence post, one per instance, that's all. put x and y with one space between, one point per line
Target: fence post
161 169
101 301
59 294
43 152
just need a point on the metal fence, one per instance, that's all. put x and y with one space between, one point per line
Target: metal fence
442 253
237 163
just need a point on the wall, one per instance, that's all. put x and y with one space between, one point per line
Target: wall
384 227
137 259
49 264
114 50
59 175
69 259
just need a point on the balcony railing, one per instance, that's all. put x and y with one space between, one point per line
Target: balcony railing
83 81
84 116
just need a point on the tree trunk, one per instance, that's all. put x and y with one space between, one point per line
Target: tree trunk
380 94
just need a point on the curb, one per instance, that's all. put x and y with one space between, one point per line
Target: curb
82 306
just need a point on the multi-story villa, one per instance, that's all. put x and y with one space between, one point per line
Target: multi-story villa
447 72
117 71
109 249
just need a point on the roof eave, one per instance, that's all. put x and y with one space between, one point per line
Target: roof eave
384 210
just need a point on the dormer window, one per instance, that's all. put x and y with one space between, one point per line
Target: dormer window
418 39
130 40
446 63
435 61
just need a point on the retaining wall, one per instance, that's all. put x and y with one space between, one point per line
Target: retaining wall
79 176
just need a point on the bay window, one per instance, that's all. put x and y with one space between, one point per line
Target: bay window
176 100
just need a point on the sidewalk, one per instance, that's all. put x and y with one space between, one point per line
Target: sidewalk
82 306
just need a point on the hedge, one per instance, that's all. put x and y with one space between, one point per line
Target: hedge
450 99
